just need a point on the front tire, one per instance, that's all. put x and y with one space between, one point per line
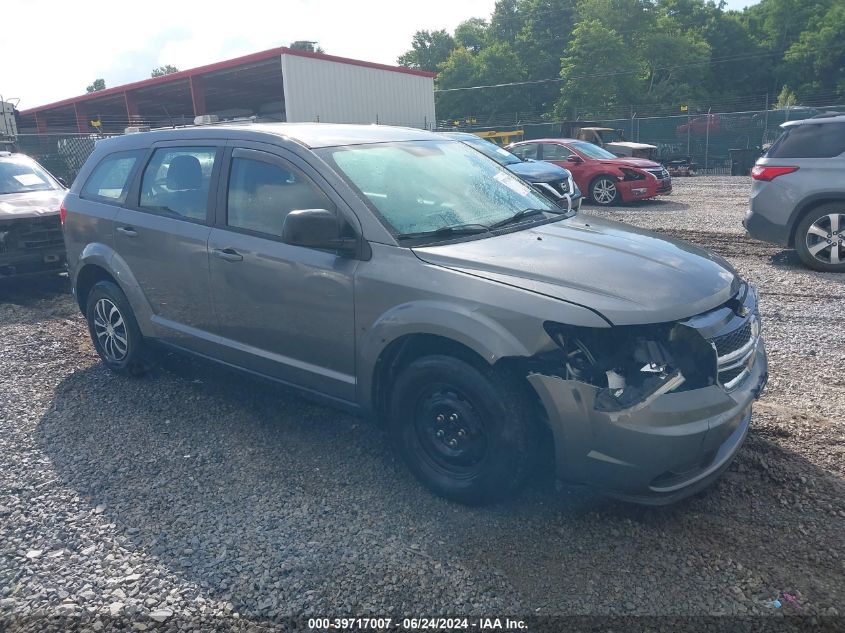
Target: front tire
604 192
820 238
467 434
114 330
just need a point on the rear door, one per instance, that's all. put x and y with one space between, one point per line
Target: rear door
163 237
283 311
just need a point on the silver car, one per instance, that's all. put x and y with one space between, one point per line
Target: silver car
408 277
798 192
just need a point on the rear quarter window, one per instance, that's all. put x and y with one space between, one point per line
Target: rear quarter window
810 140
110 180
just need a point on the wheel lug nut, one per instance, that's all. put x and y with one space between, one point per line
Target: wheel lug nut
440 417
453 443
440 433
461 433
453 417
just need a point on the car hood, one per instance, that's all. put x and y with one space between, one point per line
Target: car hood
640 163
628 275
539 171
31 204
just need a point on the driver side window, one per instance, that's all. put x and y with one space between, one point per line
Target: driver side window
553 151
261 194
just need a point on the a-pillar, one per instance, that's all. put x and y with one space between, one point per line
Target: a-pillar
198 94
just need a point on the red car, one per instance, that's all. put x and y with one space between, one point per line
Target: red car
602 177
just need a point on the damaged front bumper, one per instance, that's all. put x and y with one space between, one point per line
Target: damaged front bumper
674 446
31 246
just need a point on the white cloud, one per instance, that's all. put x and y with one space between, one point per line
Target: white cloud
76 42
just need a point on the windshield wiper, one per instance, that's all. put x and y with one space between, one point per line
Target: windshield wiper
522 214
455 229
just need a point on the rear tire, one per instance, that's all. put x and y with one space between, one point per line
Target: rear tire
820 238
604 192
468 435
114 330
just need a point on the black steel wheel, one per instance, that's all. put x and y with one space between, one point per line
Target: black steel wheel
465 433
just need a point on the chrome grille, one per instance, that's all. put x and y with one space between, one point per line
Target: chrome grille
736 352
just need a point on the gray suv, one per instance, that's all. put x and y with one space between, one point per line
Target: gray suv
408 277
798 192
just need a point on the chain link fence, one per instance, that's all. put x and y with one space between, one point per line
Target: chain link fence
61 154
707 140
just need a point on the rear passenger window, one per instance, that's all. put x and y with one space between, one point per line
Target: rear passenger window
261 195
177 181
111 178
810 140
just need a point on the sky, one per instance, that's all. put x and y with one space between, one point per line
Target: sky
52 59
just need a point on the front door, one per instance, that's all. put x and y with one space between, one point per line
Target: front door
559 155
283 311
163 237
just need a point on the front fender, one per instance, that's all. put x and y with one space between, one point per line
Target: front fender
462 324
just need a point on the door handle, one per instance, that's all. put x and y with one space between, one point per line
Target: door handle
128 231
227 254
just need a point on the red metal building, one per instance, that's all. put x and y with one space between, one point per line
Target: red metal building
277 84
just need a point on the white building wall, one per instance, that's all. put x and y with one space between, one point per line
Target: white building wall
336 92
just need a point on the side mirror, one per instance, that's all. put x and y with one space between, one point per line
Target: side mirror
62 182
575 160
317 228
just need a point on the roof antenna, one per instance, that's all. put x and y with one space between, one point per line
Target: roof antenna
172 124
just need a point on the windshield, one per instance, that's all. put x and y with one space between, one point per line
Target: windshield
423 186
591 151
491 150
22 176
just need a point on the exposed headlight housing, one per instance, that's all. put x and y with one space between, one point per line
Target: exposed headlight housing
631 174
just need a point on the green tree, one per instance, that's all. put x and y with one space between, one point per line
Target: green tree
306 45
598 72
461 69
472 34
786 99
675 63
99 84
542 41
818 57
164 70
429 49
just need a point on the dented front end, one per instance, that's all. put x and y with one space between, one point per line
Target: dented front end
653 413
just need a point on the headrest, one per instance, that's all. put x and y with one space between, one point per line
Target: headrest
184 172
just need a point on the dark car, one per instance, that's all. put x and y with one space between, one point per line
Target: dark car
408 277
30 229
552 181
607 179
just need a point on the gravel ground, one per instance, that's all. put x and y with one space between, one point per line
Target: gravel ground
194 493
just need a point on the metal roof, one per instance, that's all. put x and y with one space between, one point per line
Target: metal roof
118 91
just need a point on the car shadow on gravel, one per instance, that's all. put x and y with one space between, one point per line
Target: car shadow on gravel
25 290
277 504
